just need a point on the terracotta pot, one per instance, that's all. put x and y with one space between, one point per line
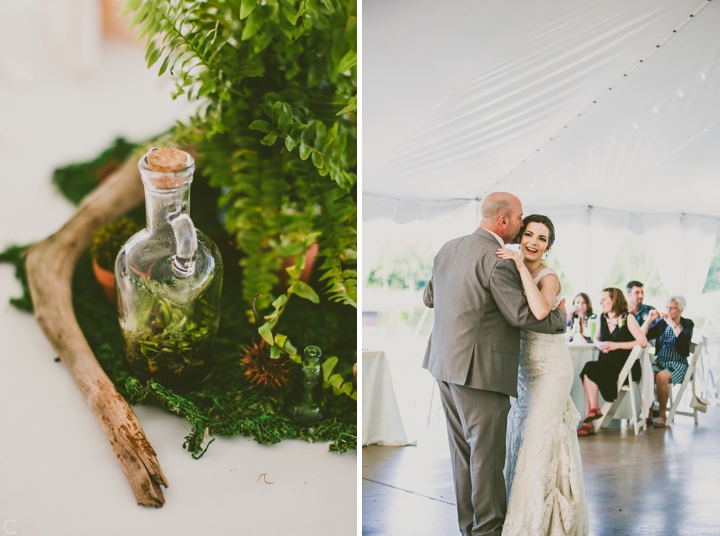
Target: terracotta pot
116 26
107 279
310 256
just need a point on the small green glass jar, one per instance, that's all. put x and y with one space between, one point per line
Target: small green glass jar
306 401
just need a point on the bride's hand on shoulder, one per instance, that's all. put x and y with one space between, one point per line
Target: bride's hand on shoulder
505 253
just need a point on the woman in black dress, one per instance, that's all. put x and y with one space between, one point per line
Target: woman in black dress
618 334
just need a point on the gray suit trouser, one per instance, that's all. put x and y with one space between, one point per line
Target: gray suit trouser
476 424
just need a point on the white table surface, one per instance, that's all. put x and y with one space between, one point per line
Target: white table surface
381 421
57 473
580 354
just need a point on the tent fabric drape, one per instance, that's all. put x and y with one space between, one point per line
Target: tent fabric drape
682 249
566 104
407 210
588 243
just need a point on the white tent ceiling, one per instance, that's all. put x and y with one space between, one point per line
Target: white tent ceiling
566 103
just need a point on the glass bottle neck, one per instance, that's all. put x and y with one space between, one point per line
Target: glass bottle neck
162 206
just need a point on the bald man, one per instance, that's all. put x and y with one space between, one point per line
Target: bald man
473 354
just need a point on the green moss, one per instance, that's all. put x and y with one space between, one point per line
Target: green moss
109 239
172 343
15 255
77 180
225 404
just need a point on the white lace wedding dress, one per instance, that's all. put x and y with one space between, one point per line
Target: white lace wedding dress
543 469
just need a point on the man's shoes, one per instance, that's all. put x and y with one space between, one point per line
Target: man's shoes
593 414
586 429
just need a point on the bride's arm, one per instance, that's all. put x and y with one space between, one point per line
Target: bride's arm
539 299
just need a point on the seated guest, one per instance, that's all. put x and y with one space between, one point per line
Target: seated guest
582 310
636 307
672 348
617 335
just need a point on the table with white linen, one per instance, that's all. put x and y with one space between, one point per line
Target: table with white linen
58 474
381 422
581 353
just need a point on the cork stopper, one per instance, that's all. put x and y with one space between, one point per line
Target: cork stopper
167 160
167 168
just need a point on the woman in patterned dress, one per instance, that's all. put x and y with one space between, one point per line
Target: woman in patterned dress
619 333
673 334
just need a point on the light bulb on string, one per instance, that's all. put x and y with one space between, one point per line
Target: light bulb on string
655 109
680 94
703 75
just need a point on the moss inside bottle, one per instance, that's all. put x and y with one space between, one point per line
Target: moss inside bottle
169 279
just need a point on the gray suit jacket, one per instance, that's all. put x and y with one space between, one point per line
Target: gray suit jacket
480 307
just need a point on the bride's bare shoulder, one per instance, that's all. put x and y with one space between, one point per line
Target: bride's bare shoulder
548 280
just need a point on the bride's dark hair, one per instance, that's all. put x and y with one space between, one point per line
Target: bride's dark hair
538 218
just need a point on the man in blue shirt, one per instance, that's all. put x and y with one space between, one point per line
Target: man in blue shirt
636 307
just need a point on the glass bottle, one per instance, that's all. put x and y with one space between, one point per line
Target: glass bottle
168 279
592 326
309 393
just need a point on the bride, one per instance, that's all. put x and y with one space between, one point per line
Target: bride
543 469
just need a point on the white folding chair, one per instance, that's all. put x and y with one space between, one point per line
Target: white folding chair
689 377
711 351
432 395
609 408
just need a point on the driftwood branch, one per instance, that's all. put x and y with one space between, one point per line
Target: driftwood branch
50 266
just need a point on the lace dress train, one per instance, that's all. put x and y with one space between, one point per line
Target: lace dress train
543 469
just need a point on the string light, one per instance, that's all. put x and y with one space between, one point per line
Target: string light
703 76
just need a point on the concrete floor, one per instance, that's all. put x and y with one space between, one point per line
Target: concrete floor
663 482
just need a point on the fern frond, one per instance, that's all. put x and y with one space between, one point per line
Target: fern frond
338 244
